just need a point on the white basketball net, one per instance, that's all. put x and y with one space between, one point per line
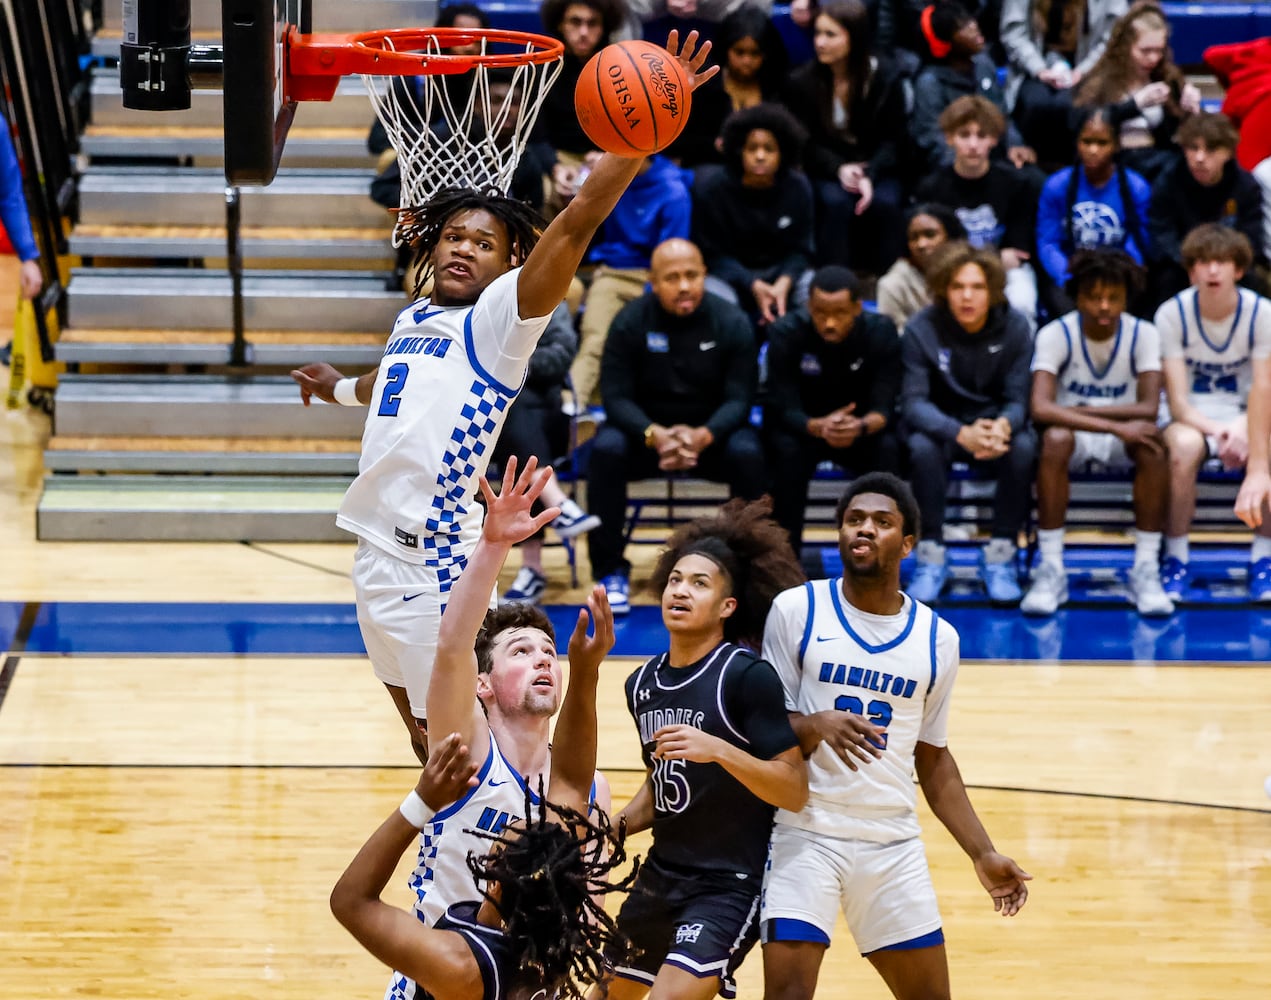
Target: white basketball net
476 139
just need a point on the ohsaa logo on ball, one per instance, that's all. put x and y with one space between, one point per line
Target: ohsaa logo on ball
622 93
662 85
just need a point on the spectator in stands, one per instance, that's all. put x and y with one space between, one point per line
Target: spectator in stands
1207 185
17 224
833 383
678 380
655 208
1215 347
1094 203
959 67
537 427
964 398
994 204
853 107
1146 94
1051 45
752 216
585 26
1096 392
1253 502
903 290
753 64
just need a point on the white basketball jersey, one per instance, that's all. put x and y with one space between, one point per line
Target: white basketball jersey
897 670
445 382
1097 373
1218 353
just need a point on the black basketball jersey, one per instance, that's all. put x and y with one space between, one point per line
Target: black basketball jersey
704 819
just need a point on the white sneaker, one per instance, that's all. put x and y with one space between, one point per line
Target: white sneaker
528 587
573 520
1049 590
1146 592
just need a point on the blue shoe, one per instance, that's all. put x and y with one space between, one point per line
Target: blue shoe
1001 580
618 590
528 587
928 581
1175 578
1260 581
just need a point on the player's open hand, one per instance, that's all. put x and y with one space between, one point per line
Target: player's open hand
507 515
587 652
449 773
691 57
1006 882
316 380
853 737
1253 498
686 743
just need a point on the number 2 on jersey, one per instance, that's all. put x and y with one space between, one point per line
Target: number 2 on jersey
878 712
392 398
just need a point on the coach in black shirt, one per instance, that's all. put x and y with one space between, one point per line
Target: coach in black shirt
677 380
833 381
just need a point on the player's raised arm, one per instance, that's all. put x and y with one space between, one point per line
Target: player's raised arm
452 691
552 263
574 742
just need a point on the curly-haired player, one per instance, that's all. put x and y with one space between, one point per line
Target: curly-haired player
453 364
720 754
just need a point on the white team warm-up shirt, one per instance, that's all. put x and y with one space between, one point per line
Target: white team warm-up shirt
445 382
1219 353
898 670
1097 373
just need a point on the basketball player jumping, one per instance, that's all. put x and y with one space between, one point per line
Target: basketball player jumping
720 754
452 366
533 926
860 645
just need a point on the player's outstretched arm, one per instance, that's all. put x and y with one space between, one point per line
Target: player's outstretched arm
638 813
574 742
551 265
320 380
452 691
440 961
945 792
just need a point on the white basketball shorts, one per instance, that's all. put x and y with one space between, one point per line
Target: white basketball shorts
399 609
884 890
1096 446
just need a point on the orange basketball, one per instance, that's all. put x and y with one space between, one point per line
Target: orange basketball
632 98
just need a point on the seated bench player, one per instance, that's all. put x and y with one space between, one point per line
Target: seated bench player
1096 391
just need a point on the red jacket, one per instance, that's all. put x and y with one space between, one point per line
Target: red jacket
1244 68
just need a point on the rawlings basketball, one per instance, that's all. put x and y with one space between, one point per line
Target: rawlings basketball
632 98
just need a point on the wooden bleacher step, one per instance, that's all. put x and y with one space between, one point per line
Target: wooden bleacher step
190 508
355 352
197 406
350 108
292 247
221 455
163 298
305 144
297 200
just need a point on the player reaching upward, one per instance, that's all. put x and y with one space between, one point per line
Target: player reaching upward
858 644
532 924
453 364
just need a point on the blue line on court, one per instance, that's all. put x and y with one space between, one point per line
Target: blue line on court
1220 634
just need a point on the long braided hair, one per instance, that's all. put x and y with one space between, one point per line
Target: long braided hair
420 227
550 870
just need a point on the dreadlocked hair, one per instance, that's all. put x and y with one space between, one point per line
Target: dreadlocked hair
419 227
550 869
751 548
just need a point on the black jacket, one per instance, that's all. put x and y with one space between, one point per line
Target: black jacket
1179 205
